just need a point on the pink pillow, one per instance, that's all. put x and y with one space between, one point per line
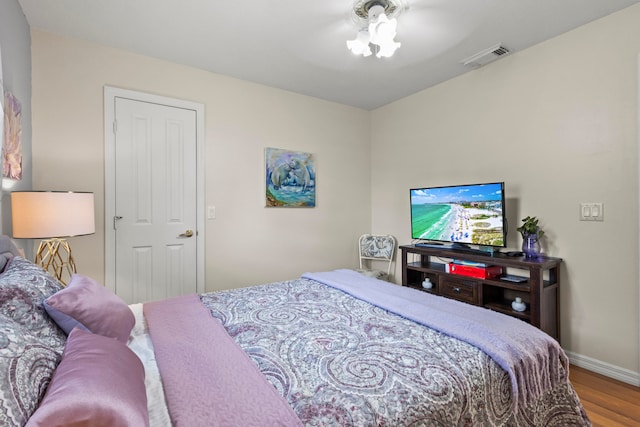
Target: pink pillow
86 304
99 382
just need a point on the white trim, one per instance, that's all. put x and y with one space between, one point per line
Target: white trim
110 94
604 368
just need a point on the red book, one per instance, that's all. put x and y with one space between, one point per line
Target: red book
477 272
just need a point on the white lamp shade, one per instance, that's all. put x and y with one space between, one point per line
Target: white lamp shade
382 30
387 49
382 34
47 214
360 45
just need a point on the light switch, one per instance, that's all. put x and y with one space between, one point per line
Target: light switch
597 211
591 212
586 212
211 212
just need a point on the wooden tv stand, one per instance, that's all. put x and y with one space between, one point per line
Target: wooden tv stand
540 291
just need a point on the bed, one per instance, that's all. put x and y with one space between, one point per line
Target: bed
327 349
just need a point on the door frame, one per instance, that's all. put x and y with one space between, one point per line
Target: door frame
110 95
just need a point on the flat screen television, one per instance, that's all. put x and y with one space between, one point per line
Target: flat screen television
460 214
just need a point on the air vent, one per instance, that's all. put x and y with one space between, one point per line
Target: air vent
485 56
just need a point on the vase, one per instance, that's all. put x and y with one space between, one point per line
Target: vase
531 245
518 304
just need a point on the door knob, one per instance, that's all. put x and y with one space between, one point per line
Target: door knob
187 233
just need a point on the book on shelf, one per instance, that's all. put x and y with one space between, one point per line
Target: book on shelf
480 272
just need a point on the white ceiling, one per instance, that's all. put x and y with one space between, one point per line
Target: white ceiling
300 45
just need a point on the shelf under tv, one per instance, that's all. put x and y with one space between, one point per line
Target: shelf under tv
460 247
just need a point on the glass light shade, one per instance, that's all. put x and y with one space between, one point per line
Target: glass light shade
382 29
360 45
382 33
387 49
47 214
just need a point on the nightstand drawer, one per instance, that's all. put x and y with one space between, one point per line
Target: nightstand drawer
462 290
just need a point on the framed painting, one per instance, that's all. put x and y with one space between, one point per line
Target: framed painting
1 119
290 178
12 145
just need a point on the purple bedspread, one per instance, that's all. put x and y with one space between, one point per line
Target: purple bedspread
208 380
534 361
301 352
341 361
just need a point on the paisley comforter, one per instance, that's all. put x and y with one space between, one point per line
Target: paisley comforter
340 361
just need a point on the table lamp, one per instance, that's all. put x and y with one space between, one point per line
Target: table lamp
52 216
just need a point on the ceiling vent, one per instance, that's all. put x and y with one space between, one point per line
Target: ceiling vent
485 56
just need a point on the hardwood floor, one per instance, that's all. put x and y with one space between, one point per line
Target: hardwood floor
608 402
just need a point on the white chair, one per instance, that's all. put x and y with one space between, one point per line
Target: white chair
376 250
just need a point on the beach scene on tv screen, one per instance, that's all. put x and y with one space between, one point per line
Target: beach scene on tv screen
469 214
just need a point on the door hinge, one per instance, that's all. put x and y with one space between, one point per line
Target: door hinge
115 126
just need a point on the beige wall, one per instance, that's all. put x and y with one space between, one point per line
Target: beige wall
247 243
559 124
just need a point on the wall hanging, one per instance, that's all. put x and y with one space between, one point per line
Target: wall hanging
290 178
12 145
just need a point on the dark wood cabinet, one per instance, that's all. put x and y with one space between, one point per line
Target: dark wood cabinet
539 288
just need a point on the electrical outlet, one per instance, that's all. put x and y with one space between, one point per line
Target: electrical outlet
591 212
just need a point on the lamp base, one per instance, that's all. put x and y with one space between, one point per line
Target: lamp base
54 255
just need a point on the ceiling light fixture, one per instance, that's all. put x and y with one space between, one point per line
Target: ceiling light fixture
377 28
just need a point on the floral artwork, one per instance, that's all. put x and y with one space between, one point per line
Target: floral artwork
290 178
12 146
1 114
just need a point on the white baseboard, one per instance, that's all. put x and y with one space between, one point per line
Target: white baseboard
604 368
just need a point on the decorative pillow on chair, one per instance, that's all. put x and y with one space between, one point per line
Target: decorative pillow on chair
26 367
23 287
99 382
86 304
